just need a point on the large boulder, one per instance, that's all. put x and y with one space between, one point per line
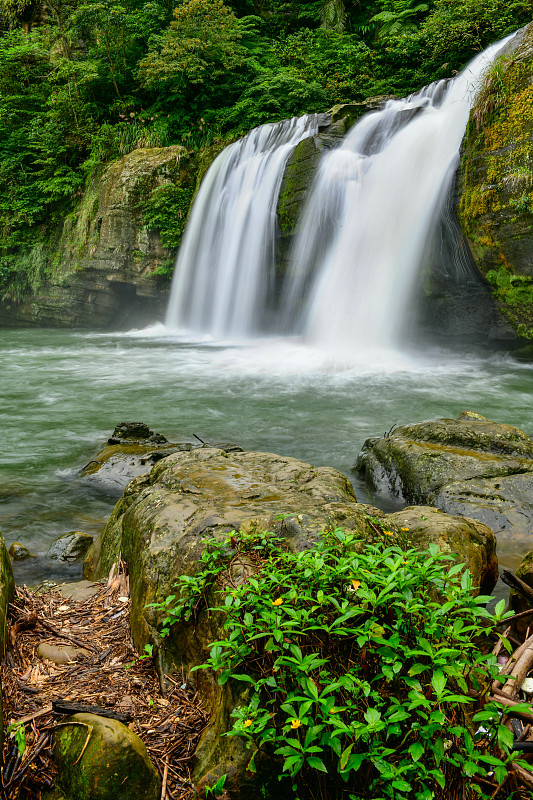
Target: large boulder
469 466
496 181
101 759
160 525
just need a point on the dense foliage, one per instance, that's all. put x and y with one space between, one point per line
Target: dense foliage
362 661
86 81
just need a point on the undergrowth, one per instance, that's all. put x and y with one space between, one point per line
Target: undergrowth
366 664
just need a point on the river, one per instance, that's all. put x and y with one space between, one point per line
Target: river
63 392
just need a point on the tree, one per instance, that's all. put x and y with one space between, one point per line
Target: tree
200 45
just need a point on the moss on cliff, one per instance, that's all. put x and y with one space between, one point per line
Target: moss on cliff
496 207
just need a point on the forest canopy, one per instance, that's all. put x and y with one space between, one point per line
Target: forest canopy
85 81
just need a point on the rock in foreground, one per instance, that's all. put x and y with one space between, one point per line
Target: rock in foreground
469 466
102 759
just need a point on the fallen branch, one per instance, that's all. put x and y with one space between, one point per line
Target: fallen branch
67 707
520 671
523 775
46 625
41 744
510 579
508 668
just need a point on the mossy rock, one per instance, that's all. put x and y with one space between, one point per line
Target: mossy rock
467 466
454 535
131 451
102 759
19 552
496 181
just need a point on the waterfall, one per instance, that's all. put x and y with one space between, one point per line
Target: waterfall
371 216
370 224
225 271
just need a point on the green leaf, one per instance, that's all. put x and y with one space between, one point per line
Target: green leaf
345 756
317 763
402 786
372 716
438 681
417 750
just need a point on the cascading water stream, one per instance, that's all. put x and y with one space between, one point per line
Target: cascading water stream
368 225
226 264
368 228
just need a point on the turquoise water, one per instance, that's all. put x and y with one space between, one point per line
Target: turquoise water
63 392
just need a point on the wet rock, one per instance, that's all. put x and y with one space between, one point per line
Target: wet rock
69 547
61 653
127 432
102 759
131 451
160 524
104 255
517 602
79 590
469 466
19 552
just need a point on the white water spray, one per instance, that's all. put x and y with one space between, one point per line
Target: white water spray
368 224
225 269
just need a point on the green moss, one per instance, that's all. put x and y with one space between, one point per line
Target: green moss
296 180
496 207
515 292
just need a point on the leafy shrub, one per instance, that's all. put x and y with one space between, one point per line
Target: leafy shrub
361 660
275 96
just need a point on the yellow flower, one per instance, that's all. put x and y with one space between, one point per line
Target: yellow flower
248 722
405 529
405 562
277 602
356 585
295 723
388 533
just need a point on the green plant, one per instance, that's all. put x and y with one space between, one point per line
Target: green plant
17 732
148 653
166 211
494 91
361 661
217 789
403 15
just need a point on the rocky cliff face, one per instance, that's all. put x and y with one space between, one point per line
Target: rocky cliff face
496 182
102 270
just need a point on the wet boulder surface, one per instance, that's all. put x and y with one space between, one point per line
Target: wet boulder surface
132 450
468 466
